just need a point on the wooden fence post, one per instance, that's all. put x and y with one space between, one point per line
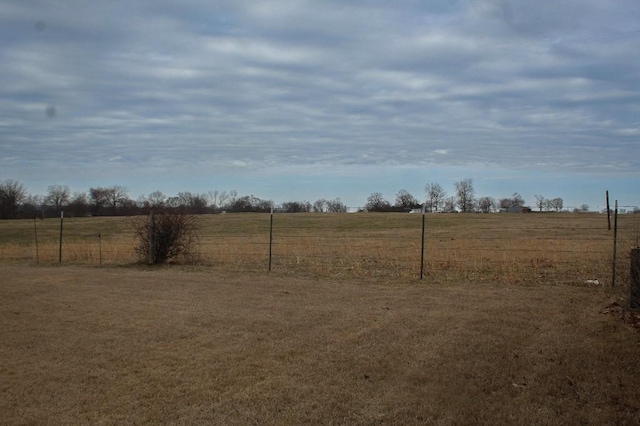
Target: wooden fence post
634 296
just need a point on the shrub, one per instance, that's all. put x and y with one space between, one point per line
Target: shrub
164 235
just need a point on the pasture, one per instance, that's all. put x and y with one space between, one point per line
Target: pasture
495 247
195 345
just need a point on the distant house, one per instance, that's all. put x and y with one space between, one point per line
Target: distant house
516 209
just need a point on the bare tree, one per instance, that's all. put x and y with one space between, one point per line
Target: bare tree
116 196
336 206
465 195
515 200
33 206
12 194
557 204
435 195
79 204
296 207
157 200
319 206
377 203
540 202
217 199
449 204
193 203
487 204
405 200
58 196
98 199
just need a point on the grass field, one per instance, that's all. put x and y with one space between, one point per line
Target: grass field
192 345
504 247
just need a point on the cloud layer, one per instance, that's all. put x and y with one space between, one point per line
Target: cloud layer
161 86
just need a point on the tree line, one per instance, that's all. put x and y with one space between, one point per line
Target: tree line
463 200
16 202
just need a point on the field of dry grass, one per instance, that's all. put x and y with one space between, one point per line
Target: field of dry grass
505 247
130 345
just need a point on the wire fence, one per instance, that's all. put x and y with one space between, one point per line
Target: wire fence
563 247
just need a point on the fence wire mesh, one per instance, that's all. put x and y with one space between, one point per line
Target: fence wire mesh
505 247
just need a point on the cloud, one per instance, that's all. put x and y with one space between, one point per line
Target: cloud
161 86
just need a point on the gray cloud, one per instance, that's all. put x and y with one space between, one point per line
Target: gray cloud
161 85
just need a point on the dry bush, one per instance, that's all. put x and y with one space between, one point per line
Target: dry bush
165 235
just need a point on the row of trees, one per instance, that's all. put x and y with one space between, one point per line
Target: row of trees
15 202
463 200
114 200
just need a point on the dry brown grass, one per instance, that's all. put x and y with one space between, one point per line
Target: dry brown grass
561 247
167 346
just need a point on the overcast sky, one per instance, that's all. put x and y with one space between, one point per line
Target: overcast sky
292 99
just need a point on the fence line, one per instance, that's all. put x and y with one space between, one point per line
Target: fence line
508 247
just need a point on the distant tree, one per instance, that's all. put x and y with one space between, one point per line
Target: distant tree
487 204
435 194
296 207
232 197
584 208
249 203
116 196
190 202
217 199
465 195
556 204
99 200
156 200
33 206
377 203
12 194
540 202
404 200
336 206
58 196
319 206
515 200
79 204
449 204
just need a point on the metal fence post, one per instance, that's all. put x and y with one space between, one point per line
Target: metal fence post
270 238
35 230
60 250
634 293
615 244
422 243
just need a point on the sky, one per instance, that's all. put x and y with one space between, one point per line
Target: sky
300 100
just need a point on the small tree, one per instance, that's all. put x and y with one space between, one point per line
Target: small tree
12 194
165 234
487 204
405 200
515 200
336 206
435 195
377 203
465 195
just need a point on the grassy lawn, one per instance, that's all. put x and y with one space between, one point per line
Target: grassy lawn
172 346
